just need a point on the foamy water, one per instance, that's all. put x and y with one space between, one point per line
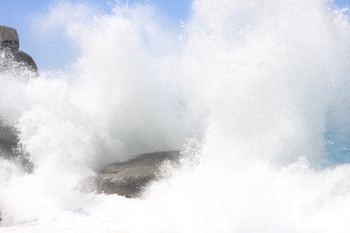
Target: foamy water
255 94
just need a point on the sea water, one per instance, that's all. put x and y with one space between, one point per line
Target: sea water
254 93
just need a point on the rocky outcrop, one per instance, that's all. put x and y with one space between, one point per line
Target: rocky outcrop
17 62
11 58
129 178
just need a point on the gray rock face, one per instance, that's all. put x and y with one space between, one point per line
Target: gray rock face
8 140
129 178
9 38
11 57
9 148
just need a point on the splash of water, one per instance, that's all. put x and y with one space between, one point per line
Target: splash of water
260 85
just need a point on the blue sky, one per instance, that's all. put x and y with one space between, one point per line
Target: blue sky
20 13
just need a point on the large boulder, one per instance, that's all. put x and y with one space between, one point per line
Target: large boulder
11 58
129 178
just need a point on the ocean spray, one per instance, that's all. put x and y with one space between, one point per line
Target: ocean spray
255 84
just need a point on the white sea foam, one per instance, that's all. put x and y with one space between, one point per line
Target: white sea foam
256 84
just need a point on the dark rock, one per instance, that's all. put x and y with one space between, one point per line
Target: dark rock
8 140
129 178
9 148
13 61
25 60
11 58
9 38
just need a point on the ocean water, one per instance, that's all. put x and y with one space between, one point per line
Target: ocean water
254 93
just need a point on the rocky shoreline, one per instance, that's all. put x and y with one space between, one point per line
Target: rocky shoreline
123 178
